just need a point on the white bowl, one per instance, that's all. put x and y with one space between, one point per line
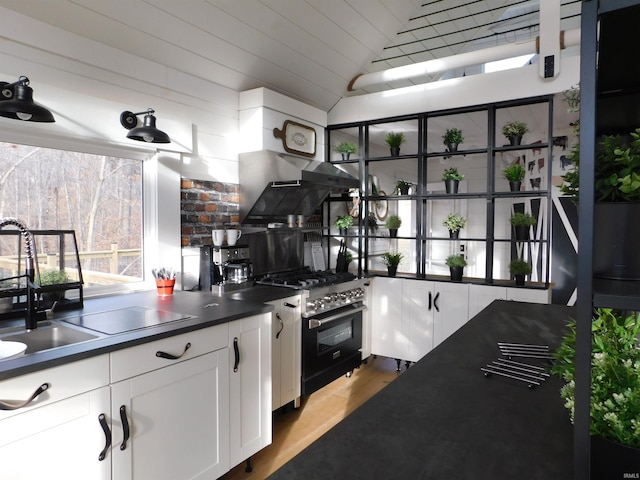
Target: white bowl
11 349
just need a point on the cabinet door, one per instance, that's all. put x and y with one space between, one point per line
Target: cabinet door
58 440
481 296
286 354
417 317
387 338
528 295
250 386
451 309
177 417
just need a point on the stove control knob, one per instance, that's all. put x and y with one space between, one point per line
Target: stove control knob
343 297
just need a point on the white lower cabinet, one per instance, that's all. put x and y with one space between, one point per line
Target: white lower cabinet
189 406
59 435
286 353
176 419
480 296
249 387
411 317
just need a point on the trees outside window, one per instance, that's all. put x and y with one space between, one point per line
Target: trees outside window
97 196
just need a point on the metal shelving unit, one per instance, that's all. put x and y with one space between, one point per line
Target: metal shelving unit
368 159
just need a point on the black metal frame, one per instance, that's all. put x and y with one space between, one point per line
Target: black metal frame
421 197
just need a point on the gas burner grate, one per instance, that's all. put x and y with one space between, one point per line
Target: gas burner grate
305 279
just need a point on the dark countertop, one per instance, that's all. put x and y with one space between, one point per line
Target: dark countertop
206 308
443 419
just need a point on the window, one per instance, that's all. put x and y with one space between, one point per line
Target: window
97 196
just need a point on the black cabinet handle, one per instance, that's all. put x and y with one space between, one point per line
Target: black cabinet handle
281 325
430 301
435 301
290 305
236 351
107 435
125 427
15 405
169 356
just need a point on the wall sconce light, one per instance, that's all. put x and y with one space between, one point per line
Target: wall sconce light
148 132
16 101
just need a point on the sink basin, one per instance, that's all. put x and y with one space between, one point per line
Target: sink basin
48 335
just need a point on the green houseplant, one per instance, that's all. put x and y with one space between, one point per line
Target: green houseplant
615 380
521 223
346 149
514 173
402 187
393 223
392 260
519 269
452 138
452 177
394 140
514 131
343 222
456 264
454 223
53 277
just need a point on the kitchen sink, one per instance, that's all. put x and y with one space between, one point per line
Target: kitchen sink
48 335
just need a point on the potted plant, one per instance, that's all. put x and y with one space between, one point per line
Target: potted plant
372 222
519 269
53 277
452 138
394 140
6 303
514 131
391 260
402 187
614 389
346 149
514 173
452 177
343 222
393 223
348 258
456 264
454 223
521 223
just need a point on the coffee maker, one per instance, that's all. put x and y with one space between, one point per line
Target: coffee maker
225 268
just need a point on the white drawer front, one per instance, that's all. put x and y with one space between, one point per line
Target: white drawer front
144 358
63 382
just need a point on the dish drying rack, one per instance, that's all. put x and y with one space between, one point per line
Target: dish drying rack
532 375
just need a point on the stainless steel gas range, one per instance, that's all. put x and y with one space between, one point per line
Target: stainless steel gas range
331 310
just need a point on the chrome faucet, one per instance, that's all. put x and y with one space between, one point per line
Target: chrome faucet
30 319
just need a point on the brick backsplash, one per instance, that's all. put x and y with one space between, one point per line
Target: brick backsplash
205 205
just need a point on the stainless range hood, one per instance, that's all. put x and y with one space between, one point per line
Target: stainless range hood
274 185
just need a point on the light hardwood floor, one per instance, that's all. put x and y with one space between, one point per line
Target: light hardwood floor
293 430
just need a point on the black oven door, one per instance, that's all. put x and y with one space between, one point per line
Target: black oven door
331 346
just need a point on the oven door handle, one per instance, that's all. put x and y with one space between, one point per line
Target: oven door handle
318 323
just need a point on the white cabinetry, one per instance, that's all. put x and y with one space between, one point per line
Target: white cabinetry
480 296
411 317
250 386
174 407
286 354
58 434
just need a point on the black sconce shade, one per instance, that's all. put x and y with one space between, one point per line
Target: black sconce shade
147 132
16 102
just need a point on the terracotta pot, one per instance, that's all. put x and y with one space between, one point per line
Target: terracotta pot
165 286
